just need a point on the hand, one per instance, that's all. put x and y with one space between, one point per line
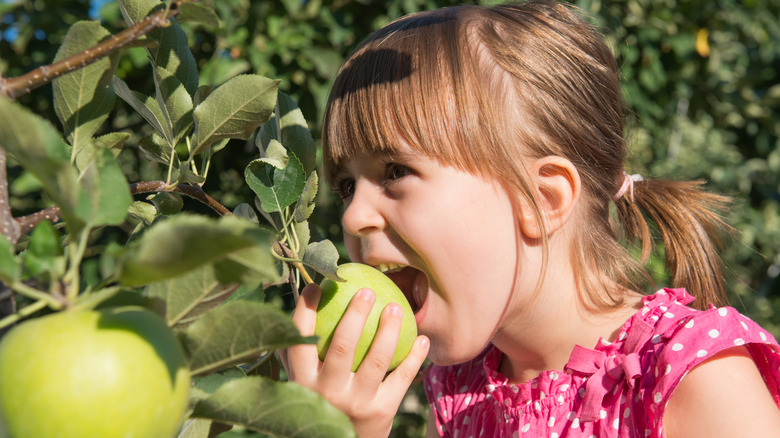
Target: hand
368 397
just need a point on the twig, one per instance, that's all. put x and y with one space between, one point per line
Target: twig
26 223
15 87
8 226
193 191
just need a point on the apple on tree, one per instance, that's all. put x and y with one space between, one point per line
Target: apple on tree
336 295
114 373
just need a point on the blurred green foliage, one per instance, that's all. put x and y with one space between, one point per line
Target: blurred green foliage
701 82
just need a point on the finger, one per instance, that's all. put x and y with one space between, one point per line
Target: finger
397 382
337 367
302 360
374 367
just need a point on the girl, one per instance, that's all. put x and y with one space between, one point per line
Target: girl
479 152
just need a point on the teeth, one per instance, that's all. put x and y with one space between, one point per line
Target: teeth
389 267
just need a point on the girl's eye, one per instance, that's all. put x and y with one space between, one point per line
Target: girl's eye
345 187
397 171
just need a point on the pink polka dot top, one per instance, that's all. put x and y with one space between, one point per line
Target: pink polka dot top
617 389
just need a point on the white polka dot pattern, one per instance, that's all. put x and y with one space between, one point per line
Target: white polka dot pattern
476 400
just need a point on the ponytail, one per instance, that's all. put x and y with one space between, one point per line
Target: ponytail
690 224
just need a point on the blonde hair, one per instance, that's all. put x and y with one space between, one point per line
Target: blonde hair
486 89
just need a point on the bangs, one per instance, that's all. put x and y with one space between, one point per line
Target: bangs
402 86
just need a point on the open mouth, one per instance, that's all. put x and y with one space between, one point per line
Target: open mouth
412 282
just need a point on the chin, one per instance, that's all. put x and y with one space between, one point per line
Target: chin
443 355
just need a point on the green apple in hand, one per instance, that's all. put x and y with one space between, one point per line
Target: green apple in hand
115 373
336 295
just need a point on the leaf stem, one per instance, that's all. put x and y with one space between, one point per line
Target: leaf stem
73 277
25 311
36 294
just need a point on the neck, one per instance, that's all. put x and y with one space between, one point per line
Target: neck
539 334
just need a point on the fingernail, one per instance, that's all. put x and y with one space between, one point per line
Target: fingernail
394 309
366 294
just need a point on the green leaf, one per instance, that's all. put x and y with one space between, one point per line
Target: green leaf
323 257
253 265
113 140
44 253
305 206
108 190
9 265
172 51
190 295
143 211
238 332
246 212
37 146
198 13
276 188
280 409
145 105
155 148
233 110
175 103
83 98
187 176
275 155
184 242
295 134
167 203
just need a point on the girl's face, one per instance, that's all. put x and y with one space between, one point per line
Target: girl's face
448 238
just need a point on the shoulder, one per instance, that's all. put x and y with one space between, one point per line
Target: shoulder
685 338
702 362
724 396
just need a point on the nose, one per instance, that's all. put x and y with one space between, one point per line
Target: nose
362 214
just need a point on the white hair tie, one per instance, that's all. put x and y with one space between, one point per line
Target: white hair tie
628 186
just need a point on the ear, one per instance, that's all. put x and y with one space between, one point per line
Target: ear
556 185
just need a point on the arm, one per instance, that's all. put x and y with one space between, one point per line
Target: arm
368 397
724 396
431 429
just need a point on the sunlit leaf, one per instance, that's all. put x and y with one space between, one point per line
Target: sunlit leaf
233 110
305 206
323 257
295 134
83 99
198 13
280 409
276 188
172 51
237 332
